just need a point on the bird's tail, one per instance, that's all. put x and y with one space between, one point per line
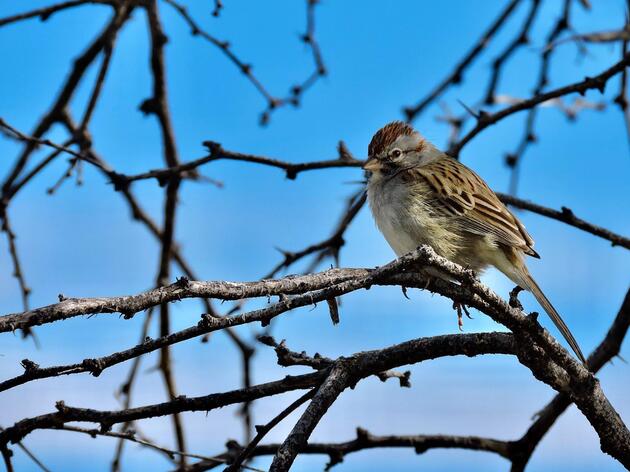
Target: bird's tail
532 286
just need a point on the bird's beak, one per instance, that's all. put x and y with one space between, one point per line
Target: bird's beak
371 164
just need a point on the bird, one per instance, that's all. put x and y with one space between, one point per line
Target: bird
420 195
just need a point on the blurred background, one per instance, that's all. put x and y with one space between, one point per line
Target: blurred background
380 57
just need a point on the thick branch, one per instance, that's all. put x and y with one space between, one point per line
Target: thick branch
607 349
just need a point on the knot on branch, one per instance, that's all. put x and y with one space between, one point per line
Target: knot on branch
182 282
207 321
94 366
105 426
336 457
514 301
511 160
29 366
291 173
583 385
567 214
119 181
287 358
161 39
621 101
150 106
362 434
233 447
213 148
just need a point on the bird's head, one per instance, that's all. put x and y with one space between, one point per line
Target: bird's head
397 146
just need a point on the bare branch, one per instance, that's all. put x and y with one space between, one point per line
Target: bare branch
262 430
520 40
566 216
455 77
46 12
598 82
367 363
336 382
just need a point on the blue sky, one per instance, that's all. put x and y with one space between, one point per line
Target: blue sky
81 241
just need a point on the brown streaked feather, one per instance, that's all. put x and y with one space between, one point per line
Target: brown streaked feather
463 193
387 135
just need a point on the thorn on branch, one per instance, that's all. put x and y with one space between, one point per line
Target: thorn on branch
344 152
264 118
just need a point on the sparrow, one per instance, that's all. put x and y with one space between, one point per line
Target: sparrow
420 195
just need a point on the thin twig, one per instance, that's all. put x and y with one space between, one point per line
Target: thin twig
487 119
455 77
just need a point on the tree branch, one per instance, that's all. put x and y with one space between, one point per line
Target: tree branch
486 119
456 76
567 216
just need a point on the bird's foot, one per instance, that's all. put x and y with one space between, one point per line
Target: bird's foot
461 311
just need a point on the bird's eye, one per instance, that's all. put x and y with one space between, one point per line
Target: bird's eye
396 153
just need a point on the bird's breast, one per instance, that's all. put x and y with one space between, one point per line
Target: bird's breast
403 214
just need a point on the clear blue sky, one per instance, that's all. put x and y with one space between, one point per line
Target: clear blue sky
380 56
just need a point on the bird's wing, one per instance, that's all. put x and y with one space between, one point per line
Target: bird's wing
462 193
